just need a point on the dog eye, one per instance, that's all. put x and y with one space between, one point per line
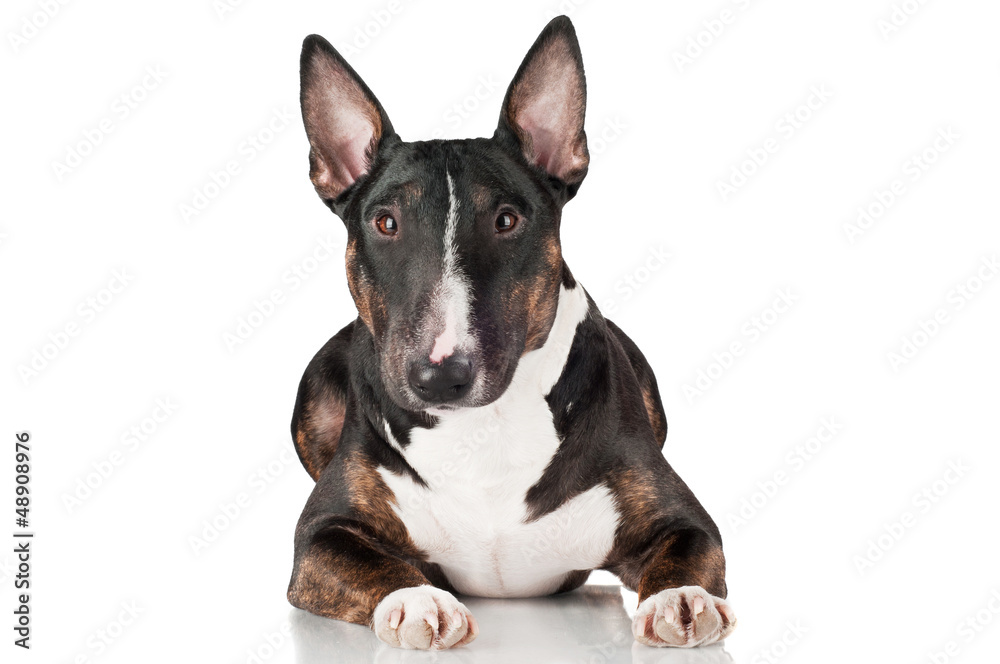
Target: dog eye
386 225
505 222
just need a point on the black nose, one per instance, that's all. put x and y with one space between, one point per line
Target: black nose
440 383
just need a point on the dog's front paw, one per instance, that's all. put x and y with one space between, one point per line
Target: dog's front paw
683 617
423 618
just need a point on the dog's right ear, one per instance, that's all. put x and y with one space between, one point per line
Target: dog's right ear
344 121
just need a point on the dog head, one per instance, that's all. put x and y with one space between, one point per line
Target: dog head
453 253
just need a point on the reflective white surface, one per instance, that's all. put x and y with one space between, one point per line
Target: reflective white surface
587 625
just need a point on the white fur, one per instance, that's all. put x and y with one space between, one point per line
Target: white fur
423 618
712 618
451 298
480 462
390 438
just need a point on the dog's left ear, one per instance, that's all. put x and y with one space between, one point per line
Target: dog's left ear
544 109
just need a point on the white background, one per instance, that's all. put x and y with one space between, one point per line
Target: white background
664 134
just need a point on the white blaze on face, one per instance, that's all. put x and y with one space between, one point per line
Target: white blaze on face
451 296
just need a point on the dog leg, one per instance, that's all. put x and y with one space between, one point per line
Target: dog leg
682 592
342 575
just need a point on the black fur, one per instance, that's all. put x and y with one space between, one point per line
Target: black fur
351 547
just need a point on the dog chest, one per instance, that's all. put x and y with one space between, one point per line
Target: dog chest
472 520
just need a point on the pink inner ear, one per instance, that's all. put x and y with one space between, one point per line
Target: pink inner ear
344 150
342 123
548 107
545 145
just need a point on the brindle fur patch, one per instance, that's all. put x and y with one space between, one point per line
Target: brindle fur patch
349 567
656 547
541 297
656 419
344 576
482 198
357 285
319 432
639 506
647 384
321 404
373 501
410 193
684 560
369 301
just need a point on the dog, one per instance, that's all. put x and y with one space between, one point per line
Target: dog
480 428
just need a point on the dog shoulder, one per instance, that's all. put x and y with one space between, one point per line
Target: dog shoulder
599 410
321 403
647 382
605 376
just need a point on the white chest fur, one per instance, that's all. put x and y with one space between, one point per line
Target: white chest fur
479 463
